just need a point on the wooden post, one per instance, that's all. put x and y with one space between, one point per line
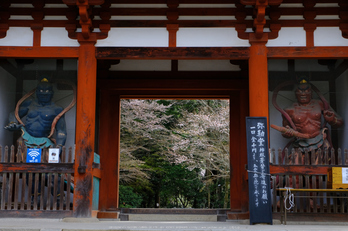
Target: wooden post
109 150
244 112
238 156
235 157
85 128
310 28
258 78
172 30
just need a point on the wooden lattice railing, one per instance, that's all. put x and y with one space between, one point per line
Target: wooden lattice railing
290 168
35 189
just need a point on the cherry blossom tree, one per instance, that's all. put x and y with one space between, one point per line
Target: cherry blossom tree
202 141
155 134
142 130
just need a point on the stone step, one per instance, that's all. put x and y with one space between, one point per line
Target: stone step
169 217
173 214
173 211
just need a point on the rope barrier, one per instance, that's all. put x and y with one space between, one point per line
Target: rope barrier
290 197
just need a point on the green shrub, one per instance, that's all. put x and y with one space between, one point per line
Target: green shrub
128 198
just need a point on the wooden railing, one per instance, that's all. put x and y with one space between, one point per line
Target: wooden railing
35 189
293 169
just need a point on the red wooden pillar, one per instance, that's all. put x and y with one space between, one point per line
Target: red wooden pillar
238 156
244 112
235 168
258 79
258 100
85 128
109 150
172 30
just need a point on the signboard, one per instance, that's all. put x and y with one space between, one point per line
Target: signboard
260 200
344 175
53 155
33 155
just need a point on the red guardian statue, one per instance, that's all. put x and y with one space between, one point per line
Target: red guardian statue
305 121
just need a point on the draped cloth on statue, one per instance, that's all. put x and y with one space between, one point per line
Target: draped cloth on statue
312 143
35 142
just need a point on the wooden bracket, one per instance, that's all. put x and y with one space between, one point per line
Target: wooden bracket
172 25
241 24
3 29
5 15
343 14
37 26
260 21
84 10
260 7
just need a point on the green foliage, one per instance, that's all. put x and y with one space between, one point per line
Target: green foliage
174 153
181 187
128 198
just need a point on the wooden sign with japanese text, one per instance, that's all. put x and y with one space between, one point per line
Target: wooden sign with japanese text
260 204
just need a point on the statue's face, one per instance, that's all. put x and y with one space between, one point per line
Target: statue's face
44 93
304 93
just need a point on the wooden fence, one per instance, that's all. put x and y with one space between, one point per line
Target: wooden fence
293 169
35 189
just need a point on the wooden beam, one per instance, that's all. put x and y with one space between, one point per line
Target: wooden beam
53 214
39 52
179 95
308 52
165 1
37 167
300 169
96 173
172 84
228 53
173 74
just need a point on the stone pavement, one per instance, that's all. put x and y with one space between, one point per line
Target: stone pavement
76 224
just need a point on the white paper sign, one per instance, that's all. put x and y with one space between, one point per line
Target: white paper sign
53 155
344 175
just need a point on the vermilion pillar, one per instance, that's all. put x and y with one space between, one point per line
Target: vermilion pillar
85 128
109 150
172 30
235 157
258 79
238 156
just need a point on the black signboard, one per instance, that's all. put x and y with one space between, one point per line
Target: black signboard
260 201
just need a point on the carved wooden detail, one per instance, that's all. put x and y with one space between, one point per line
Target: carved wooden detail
262 8
84 8
172 25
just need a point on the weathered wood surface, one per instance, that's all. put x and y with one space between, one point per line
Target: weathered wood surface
34 187
307 52
85 128
178 53
38 52
36 167
35 214
307 172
